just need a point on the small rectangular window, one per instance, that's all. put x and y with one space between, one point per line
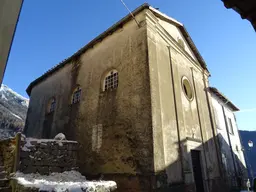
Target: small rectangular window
230 126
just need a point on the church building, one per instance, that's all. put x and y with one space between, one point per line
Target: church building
136 100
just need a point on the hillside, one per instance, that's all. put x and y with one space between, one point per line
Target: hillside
249 154
13 110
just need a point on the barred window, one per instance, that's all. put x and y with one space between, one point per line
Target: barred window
51 105
76 95
111 80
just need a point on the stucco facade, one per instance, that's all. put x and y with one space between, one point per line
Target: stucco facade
232 157
141 134
9 13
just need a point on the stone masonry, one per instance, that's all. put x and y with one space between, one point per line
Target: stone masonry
7 160
46 156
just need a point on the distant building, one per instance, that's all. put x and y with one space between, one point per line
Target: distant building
231 148
246 9
9 14
136 100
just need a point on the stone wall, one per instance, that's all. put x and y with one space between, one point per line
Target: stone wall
8 154
46 156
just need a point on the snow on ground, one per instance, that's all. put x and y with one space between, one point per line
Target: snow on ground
60 182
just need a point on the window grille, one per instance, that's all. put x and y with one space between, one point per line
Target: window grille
76 95
111 80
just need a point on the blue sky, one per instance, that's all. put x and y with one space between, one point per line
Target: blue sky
49 31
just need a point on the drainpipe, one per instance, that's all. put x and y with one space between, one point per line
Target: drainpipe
211 120
176 114
200 125
230 145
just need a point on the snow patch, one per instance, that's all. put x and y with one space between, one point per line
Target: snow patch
27 145
16 115
3 97
47 140
60 136
6 89
60 182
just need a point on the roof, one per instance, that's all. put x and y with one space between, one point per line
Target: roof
223 98
112 29
246 9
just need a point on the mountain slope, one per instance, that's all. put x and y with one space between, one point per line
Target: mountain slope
250 153
13 110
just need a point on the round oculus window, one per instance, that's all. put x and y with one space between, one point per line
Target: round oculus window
187 89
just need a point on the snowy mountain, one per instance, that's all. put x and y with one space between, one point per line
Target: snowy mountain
13 110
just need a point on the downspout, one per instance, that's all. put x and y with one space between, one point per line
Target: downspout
212 124
176 114
230 145
200 125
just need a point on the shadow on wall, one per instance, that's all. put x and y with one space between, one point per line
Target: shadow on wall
200 167
200 171
233 168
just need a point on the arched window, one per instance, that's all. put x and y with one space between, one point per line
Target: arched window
51 105
110 80
76 95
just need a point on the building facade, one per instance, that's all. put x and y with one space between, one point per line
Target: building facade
9 14
135 99
231 149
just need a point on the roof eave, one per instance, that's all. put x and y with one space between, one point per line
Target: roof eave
185 34
87 46
223 98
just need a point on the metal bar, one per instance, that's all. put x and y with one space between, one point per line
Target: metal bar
130 13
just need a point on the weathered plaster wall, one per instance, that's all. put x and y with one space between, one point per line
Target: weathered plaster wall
165 55
58 86
176 35
113 127
47 156
227 159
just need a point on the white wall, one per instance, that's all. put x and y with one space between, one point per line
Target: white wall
223 136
